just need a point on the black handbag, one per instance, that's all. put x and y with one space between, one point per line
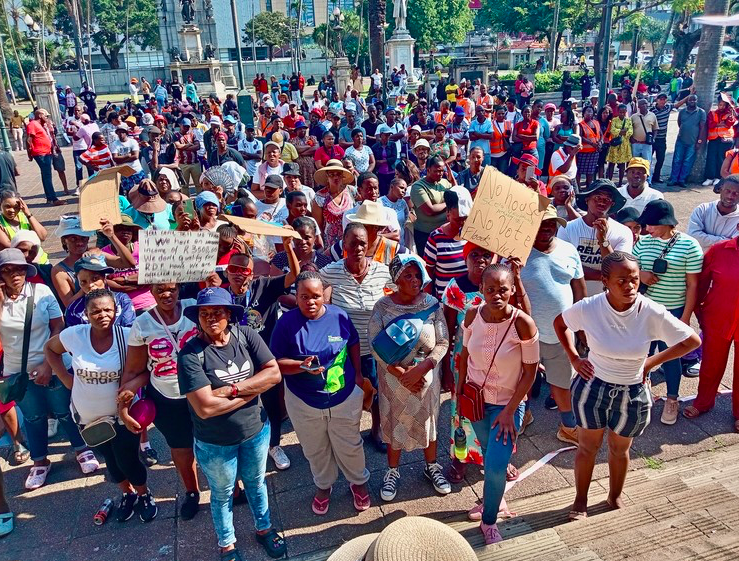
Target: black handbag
13 388
649 136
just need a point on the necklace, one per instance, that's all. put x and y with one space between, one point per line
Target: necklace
361 273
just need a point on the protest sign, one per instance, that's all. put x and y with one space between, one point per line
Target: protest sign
252 226
505 216
172 256
99 197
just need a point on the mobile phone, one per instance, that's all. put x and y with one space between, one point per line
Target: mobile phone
189 207
529 173
314 363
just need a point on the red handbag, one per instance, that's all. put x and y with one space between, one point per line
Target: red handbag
471 400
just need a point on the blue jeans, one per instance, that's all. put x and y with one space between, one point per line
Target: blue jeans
673 368
36 405
44 164
641 150
682 161
161 102
497 455
221 465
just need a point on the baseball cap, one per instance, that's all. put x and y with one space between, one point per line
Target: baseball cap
215 121
459 111
273 182
638 163
186 122
290 168
230 119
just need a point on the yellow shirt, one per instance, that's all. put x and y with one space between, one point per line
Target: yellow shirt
16 122
289 152
451 93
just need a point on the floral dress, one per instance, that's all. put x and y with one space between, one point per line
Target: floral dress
305 163
620 154
442 148
460 295
333 212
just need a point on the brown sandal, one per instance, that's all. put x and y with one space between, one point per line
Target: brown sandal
691 412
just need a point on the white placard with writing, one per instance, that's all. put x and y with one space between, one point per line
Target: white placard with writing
172 256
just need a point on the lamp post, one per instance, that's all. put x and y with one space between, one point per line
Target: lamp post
5 68
338 28
237 39
33 35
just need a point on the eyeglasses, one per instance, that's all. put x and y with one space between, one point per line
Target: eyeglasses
239 270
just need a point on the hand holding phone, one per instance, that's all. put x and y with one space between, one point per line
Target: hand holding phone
312 365
189 207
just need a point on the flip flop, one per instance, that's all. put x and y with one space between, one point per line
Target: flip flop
320 506
511 473
20 453
691 412
361 502
6 523
575 515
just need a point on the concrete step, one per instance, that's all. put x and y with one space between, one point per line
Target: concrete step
686 510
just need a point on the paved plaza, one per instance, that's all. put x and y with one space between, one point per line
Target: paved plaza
682 494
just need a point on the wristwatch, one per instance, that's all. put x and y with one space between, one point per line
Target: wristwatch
605 243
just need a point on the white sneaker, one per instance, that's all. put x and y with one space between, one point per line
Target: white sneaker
670 411
37 477
53 428
279 457
707 182
716 181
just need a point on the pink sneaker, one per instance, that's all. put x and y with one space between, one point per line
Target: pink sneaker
475 513
490 533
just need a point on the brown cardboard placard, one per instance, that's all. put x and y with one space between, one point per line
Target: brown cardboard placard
99 197
252 226
505 216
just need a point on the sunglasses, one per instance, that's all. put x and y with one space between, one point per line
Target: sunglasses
239 270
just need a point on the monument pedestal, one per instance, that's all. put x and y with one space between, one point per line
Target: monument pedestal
207 73
400 48
190 45
342 74
43 87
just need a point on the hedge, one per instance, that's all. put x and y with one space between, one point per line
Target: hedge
551 81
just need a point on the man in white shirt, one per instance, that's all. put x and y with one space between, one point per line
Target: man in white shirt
72 126
595 235
645 125
377 79
563 160
637 192
368 187
251 149
717 221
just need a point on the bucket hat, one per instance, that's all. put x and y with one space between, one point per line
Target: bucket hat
69 225
94 263
14 256
658 213
599 185
145 198
215 296
369 212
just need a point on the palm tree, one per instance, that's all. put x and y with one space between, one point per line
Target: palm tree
706 70
377 34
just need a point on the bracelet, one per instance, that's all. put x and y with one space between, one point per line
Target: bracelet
234 391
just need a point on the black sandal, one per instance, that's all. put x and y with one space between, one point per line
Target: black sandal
232 555
272 543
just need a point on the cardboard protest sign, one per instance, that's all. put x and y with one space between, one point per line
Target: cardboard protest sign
99 197
252 226
505 216
172 256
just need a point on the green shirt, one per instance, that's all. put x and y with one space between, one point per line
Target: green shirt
684 257
424 192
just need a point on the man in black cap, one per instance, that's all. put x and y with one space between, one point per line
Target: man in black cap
291 176
595 235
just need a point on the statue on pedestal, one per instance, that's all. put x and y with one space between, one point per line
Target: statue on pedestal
209 52
208 9
188 10
400 13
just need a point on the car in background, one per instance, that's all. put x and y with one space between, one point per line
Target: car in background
727 51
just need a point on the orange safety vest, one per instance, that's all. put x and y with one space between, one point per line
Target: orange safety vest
486 101
497 144
734 167
439 118
719 129
591 131
552 171
386 251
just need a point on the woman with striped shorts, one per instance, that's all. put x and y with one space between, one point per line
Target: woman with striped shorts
612 391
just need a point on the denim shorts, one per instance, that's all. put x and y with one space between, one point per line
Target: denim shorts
625 410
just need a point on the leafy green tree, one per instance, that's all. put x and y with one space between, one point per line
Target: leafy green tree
349 38
431 22
271 28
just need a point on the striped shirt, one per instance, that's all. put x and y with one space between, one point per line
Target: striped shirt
357 300
97 158
444 255
685 257
663 116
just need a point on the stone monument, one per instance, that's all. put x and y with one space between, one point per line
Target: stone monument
340 64
43 87
401 44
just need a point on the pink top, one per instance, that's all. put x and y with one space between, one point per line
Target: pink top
482 339
141 297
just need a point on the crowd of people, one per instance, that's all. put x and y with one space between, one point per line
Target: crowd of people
379 304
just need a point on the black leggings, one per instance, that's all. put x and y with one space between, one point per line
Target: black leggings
122 457
273 404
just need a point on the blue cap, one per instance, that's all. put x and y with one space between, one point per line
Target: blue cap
216 296
207 197
458 111
186 122
230 119
93 263
301 125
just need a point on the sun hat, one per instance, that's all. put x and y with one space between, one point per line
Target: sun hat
25 236
384 129
421 143
215 296
627 214
599 185
146 119
371 213
269 103
94 263
207 197
215 121
321 175
464 205
127 222
145 198
273 182
14 256
528 160
638 163
122 127
131 120
415 128
69 225
550 213
291 168
595 93
658 213
573 140
408 539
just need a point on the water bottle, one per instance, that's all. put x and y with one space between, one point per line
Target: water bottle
419 358
460 444
102 514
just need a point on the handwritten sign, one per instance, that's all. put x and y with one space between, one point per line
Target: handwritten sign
252 226
505 216
171 256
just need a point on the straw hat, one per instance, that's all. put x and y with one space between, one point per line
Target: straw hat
145 198
413 538
371 213
321 177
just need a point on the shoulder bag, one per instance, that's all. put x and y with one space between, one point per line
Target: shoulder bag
13 388
400 336
103 429
649 136
618 139
660 264
471 400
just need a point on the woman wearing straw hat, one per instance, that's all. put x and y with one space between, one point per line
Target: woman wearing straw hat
374 217
319 357
333 199
148 208
409 390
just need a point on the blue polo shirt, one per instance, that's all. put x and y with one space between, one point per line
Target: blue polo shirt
486 127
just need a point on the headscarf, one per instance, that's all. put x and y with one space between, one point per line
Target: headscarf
27 236
172 177
402 261
469 247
